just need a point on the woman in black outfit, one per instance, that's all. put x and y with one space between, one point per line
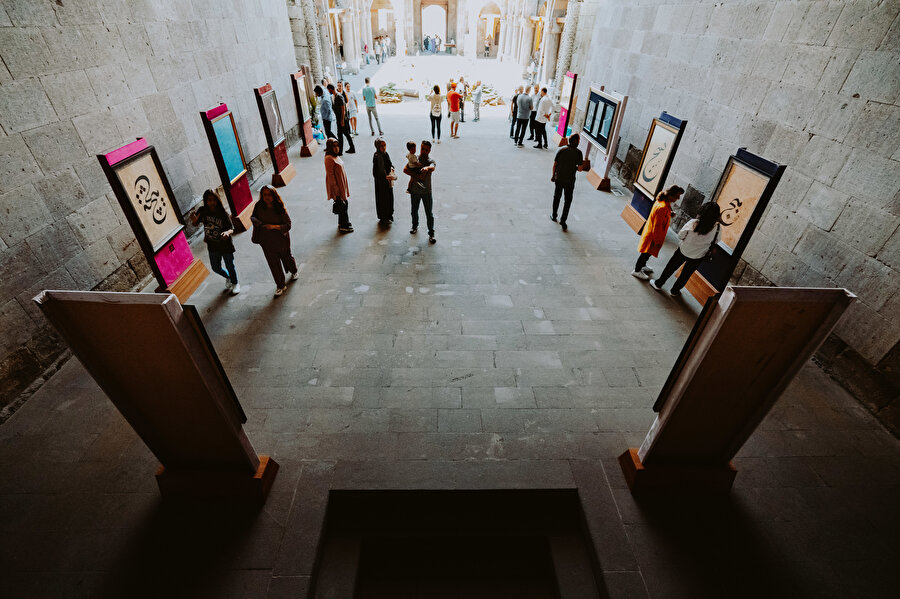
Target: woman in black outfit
383 173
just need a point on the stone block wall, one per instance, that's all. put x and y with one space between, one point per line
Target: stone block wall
78 78
813 85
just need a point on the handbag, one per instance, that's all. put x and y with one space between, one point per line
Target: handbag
712 251
254 236
339 205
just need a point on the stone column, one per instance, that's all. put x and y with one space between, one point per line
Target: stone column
567 47
551 51
504 33
312 39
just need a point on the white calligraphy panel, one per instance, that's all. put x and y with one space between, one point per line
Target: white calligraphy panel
737 195
656 156
143 185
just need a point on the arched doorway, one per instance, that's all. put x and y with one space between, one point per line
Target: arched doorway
434 22
384 24
488 31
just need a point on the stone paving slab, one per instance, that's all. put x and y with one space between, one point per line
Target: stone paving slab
509 355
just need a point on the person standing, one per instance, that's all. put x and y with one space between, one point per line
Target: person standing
353 107
476 100
655 230
420 190
535 98
523 113
370 95
698 236
271 230
343 124
513 110
337 187
453 102
463 92
217 232
567 163
435 99
488 40
383 173
325 110
544 110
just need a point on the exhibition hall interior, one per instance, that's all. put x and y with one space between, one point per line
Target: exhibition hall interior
449 298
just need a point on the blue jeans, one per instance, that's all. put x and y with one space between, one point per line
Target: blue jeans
215 262
426 201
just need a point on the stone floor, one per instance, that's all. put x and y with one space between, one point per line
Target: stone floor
508 355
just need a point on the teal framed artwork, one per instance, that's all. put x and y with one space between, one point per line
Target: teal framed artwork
229 146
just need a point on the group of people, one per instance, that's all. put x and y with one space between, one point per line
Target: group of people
432 43
381 48
456 106
338 105
530 109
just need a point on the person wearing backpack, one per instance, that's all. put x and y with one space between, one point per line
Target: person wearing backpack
698 237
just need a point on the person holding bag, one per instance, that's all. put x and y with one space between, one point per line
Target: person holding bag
383 173
336 185
698 238
271 230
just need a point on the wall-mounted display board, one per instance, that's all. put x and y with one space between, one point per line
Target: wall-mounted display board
659 152
602 122
140 184
743 192
273 125
230 162
181 403
566 107
743 352
301 82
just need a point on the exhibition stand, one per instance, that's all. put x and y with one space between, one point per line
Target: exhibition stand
230 162
301 82
602 123
273 125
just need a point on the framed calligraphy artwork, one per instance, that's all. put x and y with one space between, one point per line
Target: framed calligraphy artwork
149 196
738 193
660 144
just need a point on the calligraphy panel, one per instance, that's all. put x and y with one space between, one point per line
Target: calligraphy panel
273 117
656 156
738 193
144 187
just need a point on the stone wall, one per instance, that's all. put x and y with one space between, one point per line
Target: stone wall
813 85
81 77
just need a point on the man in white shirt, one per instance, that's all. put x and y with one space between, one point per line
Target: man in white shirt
535 98
544 109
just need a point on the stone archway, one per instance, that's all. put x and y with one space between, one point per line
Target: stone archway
451 9
487 35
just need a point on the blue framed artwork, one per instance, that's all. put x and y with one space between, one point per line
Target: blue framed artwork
229 146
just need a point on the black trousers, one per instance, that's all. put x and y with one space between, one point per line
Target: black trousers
532 125
327 126
521 128
540 133
344 131
641 261
462 111
436 126
512 126
677 259
563 188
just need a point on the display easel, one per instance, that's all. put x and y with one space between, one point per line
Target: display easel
230 162
142 189
273 126
602 124
301 82
744 350
155 362
567 104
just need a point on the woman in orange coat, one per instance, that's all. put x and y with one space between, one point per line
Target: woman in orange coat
655 229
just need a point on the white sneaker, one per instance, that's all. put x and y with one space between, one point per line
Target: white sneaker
640 275
228 284
654 285
236 289
647 270
279 291
295 276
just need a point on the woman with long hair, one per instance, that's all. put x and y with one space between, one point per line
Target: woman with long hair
337 186
655 229
698 237
352 106
271 230
217 232
383 173
435 99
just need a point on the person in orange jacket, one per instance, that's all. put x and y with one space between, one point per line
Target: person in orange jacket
655 229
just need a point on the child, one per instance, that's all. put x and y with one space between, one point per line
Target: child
698 236
412 162
655 230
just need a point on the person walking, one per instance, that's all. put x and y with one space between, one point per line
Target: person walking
476 100
217 232
435 100
523 113
453 102
271 230
343 124
544 110
535 98
463 92
420 190
567 163
337 187
352 106
655 229
325 110
383 173
513 110
698 237
370 95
